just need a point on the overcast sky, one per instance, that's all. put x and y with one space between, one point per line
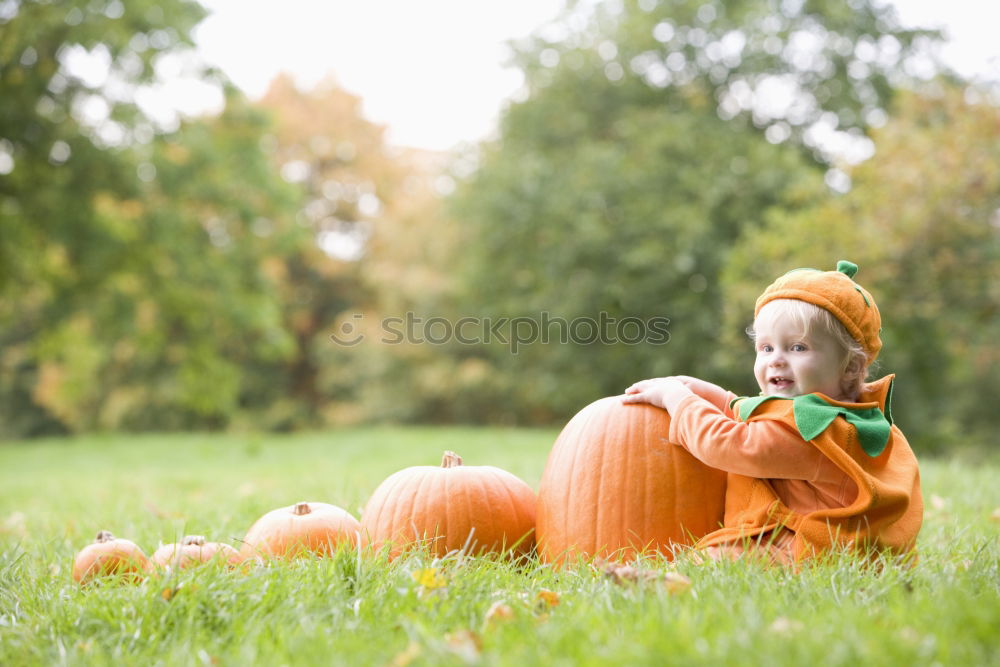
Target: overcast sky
433 71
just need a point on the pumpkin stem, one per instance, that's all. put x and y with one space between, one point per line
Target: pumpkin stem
104 536
451 460
196 540
301 509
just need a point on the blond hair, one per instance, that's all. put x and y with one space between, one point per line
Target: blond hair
807 318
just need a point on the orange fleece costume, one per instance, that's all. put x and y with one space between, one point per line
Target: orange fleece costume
793 497
809 473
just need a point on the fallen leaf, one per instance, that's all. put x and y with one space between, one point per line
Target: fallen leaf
676 583
429 578
996 514
548 598
15 524
628 574
466 644
407 655
784 626
207 659
498 612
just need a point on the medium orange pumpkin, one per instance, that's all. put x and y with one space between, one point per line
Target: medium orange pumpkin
109 555
300 529
478 508
194 550
614 486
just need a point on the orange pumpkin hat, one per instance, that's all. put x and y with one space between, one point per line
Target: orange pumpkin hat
836 292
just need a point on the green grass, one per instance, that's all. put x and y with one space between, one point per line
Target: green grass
55 495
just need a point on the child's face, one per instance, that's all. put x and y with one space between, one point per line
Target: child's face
791 363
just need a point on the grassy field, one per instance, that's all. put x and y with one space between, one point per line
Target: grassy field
55 495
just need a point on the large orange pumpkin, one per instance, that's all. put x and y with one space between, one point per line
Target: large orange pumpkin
301 529
614 486
476 508
109 556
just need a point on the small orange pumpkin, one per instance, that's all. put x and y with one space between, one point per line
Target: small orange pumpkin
451 507
614 486
109 555
194 550
300 529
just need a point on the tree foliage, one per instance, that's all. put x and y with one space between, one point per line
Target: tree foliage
665 160
652 140
923 222
131 254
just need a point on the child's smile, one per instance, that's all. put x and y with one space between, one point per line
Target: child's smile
780 382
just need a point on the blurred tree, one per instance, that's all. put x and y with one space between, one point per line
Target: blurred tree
923 222
373 215
132 292
653 137
62 128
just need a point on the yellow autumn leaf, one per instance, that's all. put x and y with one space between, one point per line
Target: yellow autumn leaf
429 578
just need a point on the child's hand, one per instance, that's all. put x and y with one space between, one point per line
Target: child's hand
666 392
699 386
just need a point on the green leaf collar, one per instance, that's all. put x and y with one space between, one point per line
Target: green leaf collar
813 415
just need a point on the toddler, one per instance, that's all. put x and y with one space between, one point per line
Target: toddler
814 461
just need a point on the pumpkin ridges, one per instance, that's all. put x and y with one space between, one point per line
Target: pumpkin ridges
375 525
523 519
449 508
491 498
486 497
503 495
659 494
475 537
575 460
395 507
436 502
462 527
386 506
600 539
441 489
425 490
526 504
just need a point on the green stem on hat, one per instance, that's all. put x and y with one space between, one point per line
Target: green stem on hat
847 268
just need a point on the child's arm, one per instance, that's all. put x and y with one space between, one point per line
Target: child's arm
762 448
664 392
656 391
712 393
